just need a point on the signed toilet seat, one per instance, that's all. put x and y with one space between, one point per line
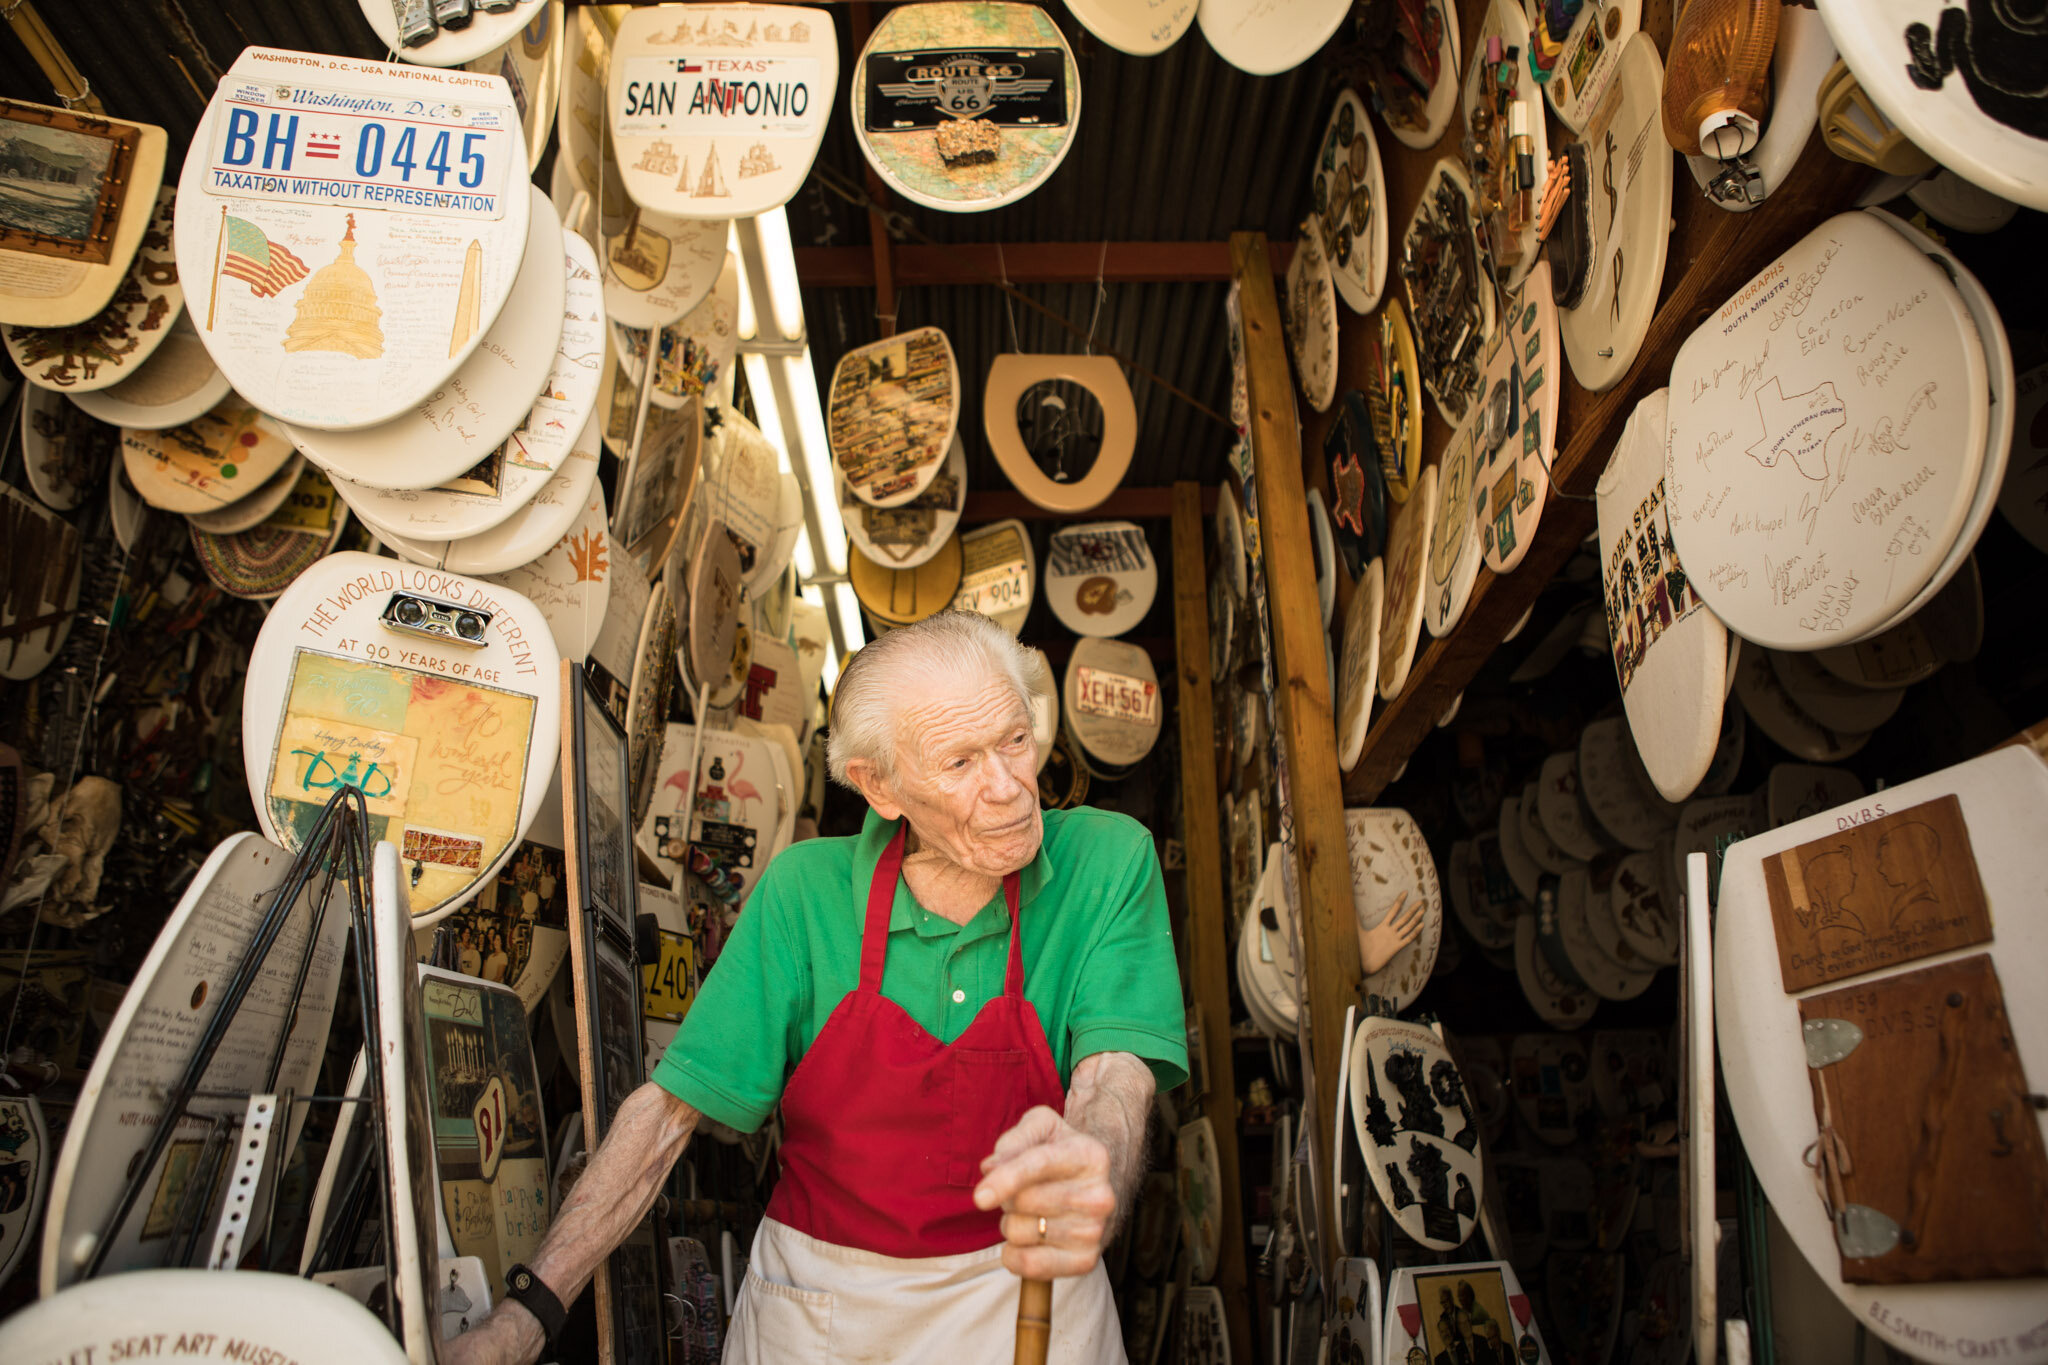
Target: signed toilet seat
320 334
529 425
1788 430
334 691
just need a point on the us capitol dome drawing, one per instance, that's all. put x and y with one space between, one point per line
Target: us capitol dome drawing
339 310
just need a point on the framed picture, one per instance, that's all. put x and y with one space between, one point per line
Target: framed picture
596 802
609 1048
613 1023
658 482
635 1332
516 931
1465 1315
63 178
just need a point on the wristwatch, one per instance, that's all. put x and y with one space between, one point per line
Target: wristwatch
531 1292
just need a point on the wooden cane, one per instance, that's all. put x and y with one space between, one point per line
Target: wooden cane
1034 1321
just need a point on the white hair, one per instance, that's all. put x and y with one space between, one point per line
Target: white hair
886 672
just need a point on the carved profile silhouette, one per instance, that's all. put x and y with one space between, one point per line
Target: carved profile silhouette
1905 858
1418 1108
1830 882
1449 1088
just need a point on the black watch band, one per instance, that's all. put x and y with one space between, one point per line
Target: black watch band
531 1292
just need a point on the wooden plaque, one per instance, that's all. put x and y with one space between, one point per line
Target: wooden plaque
1901 887
1932 1155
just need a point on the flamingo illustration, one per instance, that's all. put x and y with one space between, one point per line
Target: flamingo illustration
740 790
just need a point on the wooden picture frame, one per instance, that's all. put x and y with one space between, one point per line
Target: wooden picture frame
597 803
655 487
46 157
604 892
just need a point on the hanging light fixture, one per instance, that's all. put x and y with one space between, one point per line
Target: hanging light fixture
1718 79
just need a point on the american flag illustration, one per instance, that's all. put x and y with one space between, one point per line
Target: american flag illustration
267 267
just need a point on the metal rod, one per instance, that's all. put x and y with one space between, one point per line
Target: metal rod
297 999
213 1158
296 875
344 1216
357 870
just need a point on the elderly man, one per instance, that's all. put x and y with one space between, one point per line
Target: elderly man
963 1013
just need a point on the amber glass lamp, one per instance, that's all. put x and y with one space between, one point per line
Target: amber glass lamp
1718 80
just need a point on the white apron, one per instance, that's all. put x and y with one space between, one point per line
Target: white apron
807 1301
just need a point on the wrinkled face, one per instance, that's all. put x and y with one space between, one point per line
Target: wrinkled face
966 775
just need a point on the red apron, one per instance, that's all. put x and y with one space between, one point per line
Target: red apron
884 1127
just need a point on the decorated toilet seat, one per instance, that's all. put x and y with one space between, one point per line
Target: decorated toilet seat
304 298
998 149
65 281
340 692
893 409
680 150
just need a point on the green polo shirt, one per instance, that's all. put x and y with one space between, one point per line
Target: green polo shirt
1098 962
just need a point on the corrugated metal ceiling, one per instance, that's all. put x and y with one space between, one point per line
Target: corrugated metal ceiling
1178 147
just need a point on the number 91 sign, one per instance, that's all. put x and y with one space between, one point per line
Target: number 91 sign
489 1117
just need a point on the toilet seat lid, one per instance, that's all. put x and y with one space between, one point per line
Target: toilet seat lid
1841 571
1103 376
895 95
1407 560
998 573
684 150
893 409
1100 578
316 335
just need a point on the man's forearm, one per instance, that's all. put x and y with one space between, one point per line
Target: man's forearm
1111 1101
617 1189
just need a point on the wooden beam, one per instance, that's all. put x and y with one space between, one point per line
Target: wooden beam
1712 254
1209 958
1315 796
853 267
56 63
1129 503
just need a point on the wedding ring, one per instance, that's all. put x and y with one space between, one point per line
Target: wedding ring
1041 1229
